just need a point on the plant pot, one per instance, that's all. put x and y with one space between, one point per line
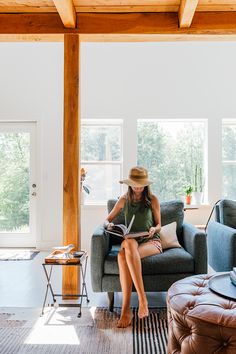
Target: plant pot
197 198
188 199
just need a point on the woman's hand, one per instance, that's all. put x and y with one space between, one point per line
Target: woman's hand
108 225
152 231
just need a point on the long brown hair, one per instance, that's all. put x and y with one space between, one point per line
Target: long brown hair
146 197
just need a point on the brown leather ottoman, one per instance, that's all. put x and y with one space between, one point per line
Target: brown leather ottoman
200 321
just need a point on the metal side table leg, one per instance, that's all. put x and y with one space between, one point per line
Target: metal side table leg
49 286
83 277
84 288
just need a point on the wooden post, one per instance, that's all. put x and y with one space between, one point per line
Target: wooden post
71 190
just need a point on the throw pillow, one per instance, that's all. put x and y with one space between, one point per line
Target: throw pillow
168 236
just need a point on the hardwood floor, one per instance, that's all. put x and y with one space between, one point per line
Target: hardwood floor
23 284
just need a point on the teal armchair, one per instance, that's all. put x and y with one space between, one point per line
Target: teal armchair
159 271
221 237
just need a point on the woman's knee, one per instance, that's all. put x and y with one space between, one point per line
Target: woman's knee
130 245
121 255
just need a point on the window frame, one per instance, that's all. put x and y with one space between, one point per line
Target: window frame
226 122
111 122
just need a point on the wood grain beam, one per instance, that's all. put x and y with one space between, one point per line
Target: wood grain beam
204 23
67 12
172 7
71 190
160 7
186 12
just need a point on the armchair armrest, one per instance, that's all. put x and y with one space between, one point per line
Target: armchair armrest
221 240
99 250
195 244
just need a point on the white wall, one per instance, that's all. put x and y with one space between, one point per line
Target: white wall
119 80
162 80
31 89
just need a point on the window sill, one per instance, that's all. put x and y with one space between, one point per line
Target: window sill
196 206
93 206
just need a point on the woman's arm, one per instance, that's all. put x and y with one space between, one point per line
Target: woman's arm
115 211
156 215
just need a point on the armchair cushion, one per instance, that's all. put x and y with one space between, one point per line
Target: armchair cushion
168 236
171 261
171 211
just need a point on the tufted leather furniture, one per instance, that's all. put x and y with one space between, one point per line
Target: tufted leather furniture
200 321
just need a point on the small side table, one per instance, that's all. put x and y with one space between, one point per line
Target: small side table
79 262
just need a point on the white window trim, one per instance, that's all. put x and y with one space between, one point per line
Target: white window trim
226 122
108 122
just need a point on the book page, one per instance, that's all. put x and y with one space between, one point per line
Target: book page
120 229
137 234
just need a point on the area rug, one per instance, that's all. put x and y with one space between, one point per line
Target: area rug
150 334
61 331
17 255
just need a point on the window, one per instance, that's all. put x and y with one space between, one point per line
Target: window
101 156
171 150
229 158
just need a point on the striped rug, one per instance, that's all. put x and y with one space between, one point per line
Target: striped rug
150 334
60 331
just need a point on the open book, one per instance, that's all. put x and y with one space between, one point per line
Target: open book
124 232
64 249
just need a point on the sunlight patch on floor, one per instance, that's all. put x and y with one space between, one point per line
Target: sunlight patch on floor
43 333
92 311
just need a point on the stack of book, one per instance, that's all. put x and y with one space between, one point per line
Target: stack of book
232 276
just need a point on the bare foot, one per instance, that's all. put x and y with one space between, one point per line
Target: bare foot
125 319
143 309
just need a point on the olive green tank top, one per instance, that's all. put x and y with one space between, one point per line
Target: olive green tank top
143 218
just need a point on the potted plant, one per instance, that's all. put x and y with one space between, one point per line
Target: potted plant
188 193
197 186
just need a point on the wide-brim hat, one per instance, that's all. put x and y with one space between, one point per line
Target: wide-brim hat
138 177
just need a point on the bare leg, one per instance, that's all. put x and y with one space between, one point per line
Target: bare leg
134 264
133 255
126 286
145 250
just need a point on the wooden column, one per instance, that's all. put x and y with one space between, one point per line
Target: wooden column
71 190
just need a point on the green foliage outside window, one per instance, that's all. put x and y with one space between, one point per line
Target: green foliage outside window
170 158
14 181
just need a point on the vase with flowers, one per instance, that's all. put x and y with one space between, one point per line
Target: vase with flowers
84 188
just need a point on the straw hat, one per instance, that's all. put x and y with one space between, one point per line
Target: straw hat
138 177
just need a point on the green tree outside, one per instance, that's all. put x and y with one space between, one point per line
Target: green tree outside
170 159
14 182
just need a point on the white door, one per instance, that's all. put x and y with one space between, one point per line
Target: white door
18 186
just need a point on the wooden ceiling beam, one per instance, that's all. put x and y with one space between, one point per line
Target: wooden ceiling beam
204 23
109 6
186 12
67 12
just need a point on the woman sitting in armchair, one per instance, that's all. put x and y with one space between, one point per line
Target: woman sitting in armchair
138 201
